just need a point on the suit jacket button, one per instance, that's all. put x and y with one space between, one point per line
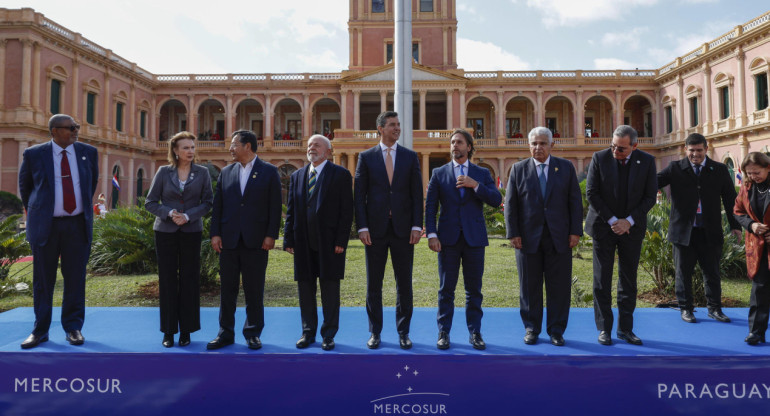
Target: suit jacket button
241 203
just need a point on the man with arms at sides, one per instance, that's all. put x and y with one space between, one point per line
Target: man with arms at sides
544 221
319 214
244 225
461 189
57 181
699 189
621 189
388 204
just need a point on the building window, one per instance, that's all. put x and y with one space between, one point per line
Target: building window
119 117
477 125
378 6
90 108
669 119
426 5
693 111
139 185
724 103
115 189
512 126
730 168
389 53
55 96
760 81
143 124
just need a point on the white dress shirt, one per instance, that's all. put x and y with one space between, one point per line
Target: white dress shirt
58 207
244 172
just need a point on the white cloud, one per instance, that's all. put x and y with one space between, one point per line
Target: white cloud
573 13
630 39
615 63
325 61
473 55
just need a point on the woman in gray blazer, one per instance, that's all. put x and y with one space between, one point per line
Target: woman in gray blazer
180 195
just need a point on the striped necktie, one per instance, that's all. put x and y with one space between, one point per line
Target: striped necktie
311 182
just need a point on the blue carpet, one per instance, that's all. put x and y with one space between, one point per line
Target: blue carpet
135 330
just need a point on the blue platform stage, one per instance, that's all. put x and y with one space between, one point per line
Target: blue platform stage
122 369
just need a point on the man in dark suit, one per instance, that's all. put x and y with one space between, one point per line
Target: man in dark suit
244 225
621 189
319 214
461 189
544 221
699 188
57 181
388 204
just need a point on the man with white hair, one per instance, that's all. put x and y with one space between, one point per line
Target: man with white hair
319 214
544 221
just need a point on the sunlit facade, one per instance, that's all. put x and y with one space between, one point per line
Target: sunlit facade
719 90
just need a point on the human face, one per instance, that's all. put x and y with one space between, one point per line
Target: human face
540 148
459 148
241 152
185 151
696 153
65 133
757 173
390 131
621 147
317 151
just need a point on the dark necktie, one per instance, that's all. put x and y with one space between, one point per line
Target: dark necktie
541 177
68 191
462 189
311 182
698 212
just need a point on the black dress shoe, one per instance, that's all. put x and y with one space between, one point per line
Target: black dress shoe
687 316
605 338
218 343
374 342
253 343
530 338
33 341
404 341
477 342
168 340
305 341
184 339
557 339
74 337
754 338
629 337
717 314
443 341
327 344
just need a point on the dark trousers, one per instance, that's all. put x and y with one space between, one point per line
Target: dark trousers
449 260
179 264
401 257
330 301
67 240
250 265
707 255
759 302
556 270
628 250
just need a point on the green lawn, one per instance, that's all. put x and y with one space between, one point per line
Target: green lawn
501 286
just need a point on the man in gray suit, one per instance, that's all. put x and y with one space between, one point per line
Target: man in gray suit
544 221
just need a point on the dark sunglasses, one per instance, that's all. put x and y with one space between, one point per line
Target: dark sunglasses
71 128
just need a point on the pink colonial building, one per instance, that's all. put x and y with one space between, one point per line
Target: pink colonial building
719 90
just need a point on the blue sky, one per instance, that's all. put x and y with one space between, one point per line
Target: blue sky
259 36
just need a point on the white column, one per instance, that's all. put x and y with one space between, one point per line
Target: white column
423 93
580 131
500 113
307 117
403 73
450 109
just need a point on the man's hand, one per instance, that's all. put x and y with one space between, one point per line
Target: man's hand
178 218
268 243
573 240
365 238
414 238
434 244
516 242
339 249
216 243
466 181
759 228
738 234
289 250
621 226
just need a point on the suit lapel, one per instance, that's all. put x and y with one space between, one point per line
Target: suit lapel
552 169
48 163
253 175
400 163
173 176
633 170
301 192
324 183
532 179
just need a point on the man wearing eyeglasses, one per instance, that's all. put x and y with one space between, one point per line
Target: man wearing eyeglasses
621 188
57 182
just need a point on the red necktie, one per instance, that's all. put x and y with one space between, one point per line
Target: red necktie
68 191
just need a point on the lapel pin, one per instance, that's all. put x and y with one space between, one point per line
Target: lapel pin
254 176
638 162
84 158
556 169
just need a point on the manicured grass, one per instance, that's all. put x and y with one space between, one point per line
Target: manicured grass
501 286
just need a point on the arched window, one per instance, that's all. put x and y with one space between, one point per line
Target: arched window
285 171
139 183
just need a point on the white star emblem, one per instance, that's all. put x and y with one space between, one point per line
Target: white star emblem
398 375
406 367
415 372
409 389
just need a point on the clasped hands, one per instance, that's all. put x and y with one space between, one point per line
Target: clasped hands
621 226
178 218
761 229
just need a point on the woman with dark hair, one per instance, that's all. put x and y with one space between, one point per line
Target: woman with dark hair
180 195
752 213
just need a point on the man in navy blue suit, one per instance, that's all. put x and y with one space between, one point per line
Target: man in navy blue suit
388 204
244 225
544 221
461 189
57 181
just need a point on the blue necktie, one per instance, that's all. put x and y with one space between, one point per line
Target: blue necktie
462 190
541 177
311 183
